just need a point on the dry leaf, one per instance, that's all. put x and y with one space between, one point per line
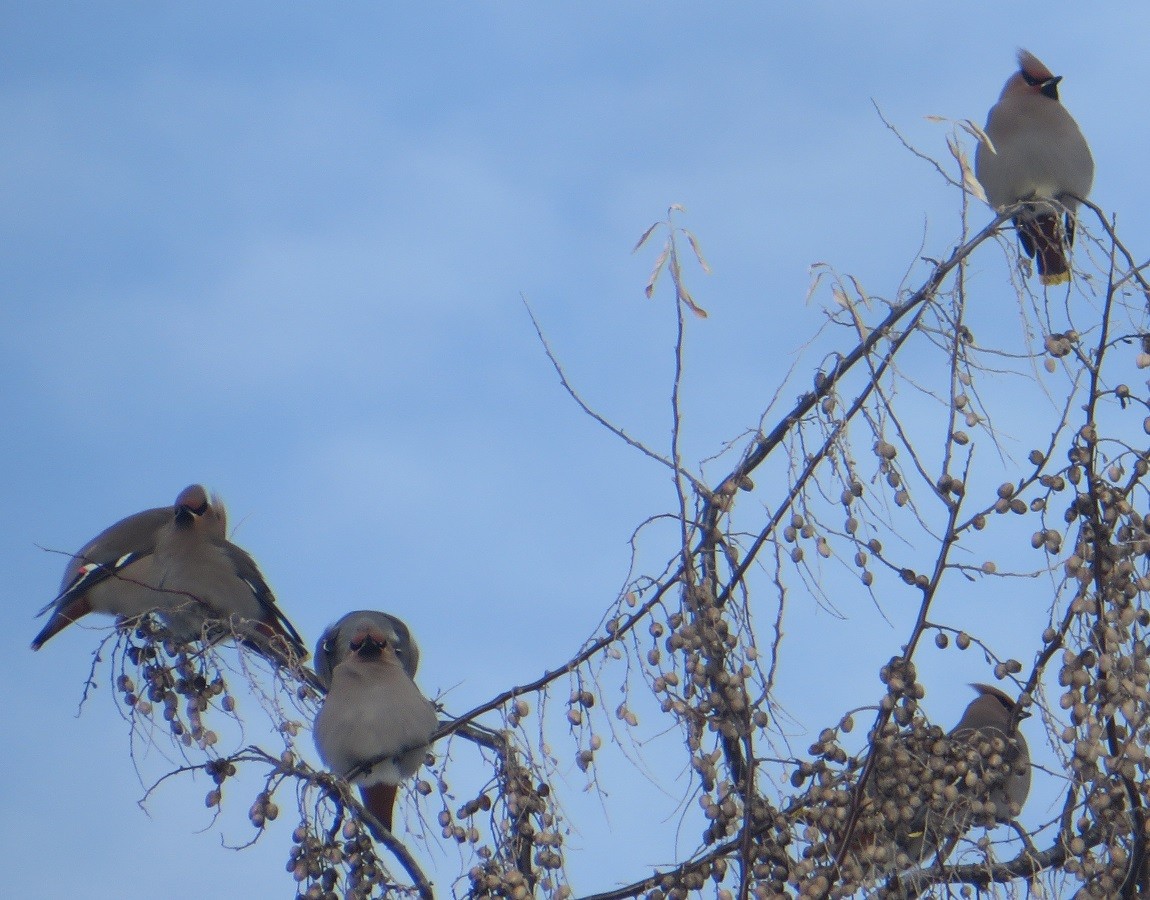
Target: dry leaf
650 289
646 234
698 252
686 297
975 131
862 294
846 303
969 179
970 182
818 271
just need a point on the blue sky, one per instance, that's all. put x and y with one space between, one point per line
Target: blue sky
284 250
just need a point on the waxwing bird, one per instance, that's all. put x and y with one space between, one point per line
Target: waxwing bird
177 562
989 727
1040 160
992 714
373 708
931 792
210 578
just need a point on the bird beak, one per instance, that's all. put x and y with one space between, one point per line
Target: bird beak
368 646
1050 87
184 516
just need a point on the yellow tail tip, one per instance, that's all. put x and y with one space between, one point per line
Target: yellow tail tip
1060 278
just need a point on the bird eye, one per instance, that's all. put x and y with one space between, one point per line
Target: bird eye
1031 80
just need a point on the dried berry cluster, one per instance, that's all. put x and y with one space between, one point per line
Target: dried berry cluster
328 867
528 841
157 671
1106 681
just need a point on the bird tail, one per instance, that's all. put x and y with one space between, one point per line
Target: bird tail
1043 238
380 801
78 607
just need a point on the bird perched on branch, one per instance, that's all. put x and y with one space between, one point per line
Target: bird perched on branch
927 790
990 776
375 726
1039 162
176 561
